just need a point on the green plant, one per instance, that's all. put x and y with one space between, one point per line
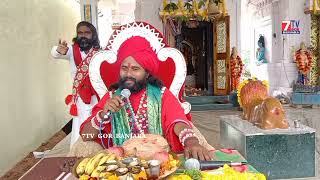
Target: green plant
201 4
188 6
171 7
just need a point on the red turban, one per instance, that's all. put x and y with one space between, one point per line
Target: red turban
140 49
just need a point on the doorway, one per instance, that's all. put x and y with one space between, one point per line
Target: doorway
196 44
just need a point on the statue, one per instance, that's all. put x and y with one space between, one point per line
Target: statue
260 109
303 59
236 66
261 51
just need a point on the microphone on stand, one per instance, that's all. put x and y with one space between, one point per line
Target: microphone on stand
125 94
208 165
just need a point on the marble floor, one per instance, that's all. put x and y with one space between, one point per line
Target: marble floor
208 124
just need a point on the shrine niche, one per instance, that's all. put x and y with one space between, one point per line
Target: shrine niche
190 26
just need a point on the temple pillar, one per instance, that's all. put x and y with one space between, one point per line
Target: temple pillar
89 11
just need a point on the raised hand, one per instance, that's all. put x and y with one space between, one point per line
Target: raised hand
62 47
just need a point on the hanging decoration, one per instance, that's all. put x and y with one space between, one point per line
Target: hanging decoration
315 48
191 10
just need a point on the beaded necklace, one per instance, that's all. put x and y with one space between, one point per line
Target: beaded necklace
139 122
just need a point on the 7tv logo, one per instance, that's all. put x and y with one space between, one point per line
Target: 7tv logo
290 27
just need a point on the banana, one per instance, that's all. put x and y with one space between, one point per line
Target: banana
95 173
104 159
88 166
81 166
84 177
101 168
112 157
93 163
105 175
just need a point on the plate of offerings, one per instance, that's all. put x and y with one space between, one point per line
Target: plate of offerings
138 159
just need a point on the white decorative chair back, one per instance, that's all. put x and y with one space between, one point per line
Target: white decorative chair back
171 60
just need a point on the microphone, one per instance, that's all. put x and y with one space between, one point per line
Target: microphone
208 165
124 94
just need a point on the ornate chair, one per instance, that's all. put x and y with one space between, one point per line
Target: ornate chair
172 70
172 77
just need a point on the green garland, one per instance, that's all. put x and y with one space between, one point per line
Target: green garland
315 30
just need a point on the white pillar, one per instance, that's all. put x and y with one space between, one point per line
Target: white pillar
148 11
89 11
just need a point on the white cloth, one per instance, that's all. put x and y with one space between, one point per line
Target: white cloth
84 110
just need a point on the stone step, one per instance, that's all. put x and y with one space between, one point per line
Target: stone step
305 99
199 100
205 107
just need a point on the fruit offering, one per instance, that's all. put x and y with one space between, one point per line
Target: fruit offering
106 165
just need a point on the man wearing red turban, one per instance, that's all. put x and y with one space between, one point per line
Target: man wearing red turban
151 108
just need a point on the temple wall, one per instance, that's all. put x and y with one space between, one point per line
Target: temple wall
280 70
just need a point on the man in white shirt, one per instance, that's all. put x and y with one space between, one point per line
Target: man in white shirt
83 97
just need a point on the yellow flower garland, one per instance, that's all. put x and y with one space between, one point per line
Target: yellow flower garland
182 11
228 173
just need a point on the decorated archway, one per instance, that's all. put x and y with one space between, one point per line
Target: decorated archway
204 24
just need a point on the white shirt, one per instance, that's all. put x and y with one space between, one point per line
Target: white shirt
69 56
84 110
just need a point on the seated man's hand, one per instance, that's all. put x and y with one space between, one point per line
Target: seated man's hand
114 104
193 149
